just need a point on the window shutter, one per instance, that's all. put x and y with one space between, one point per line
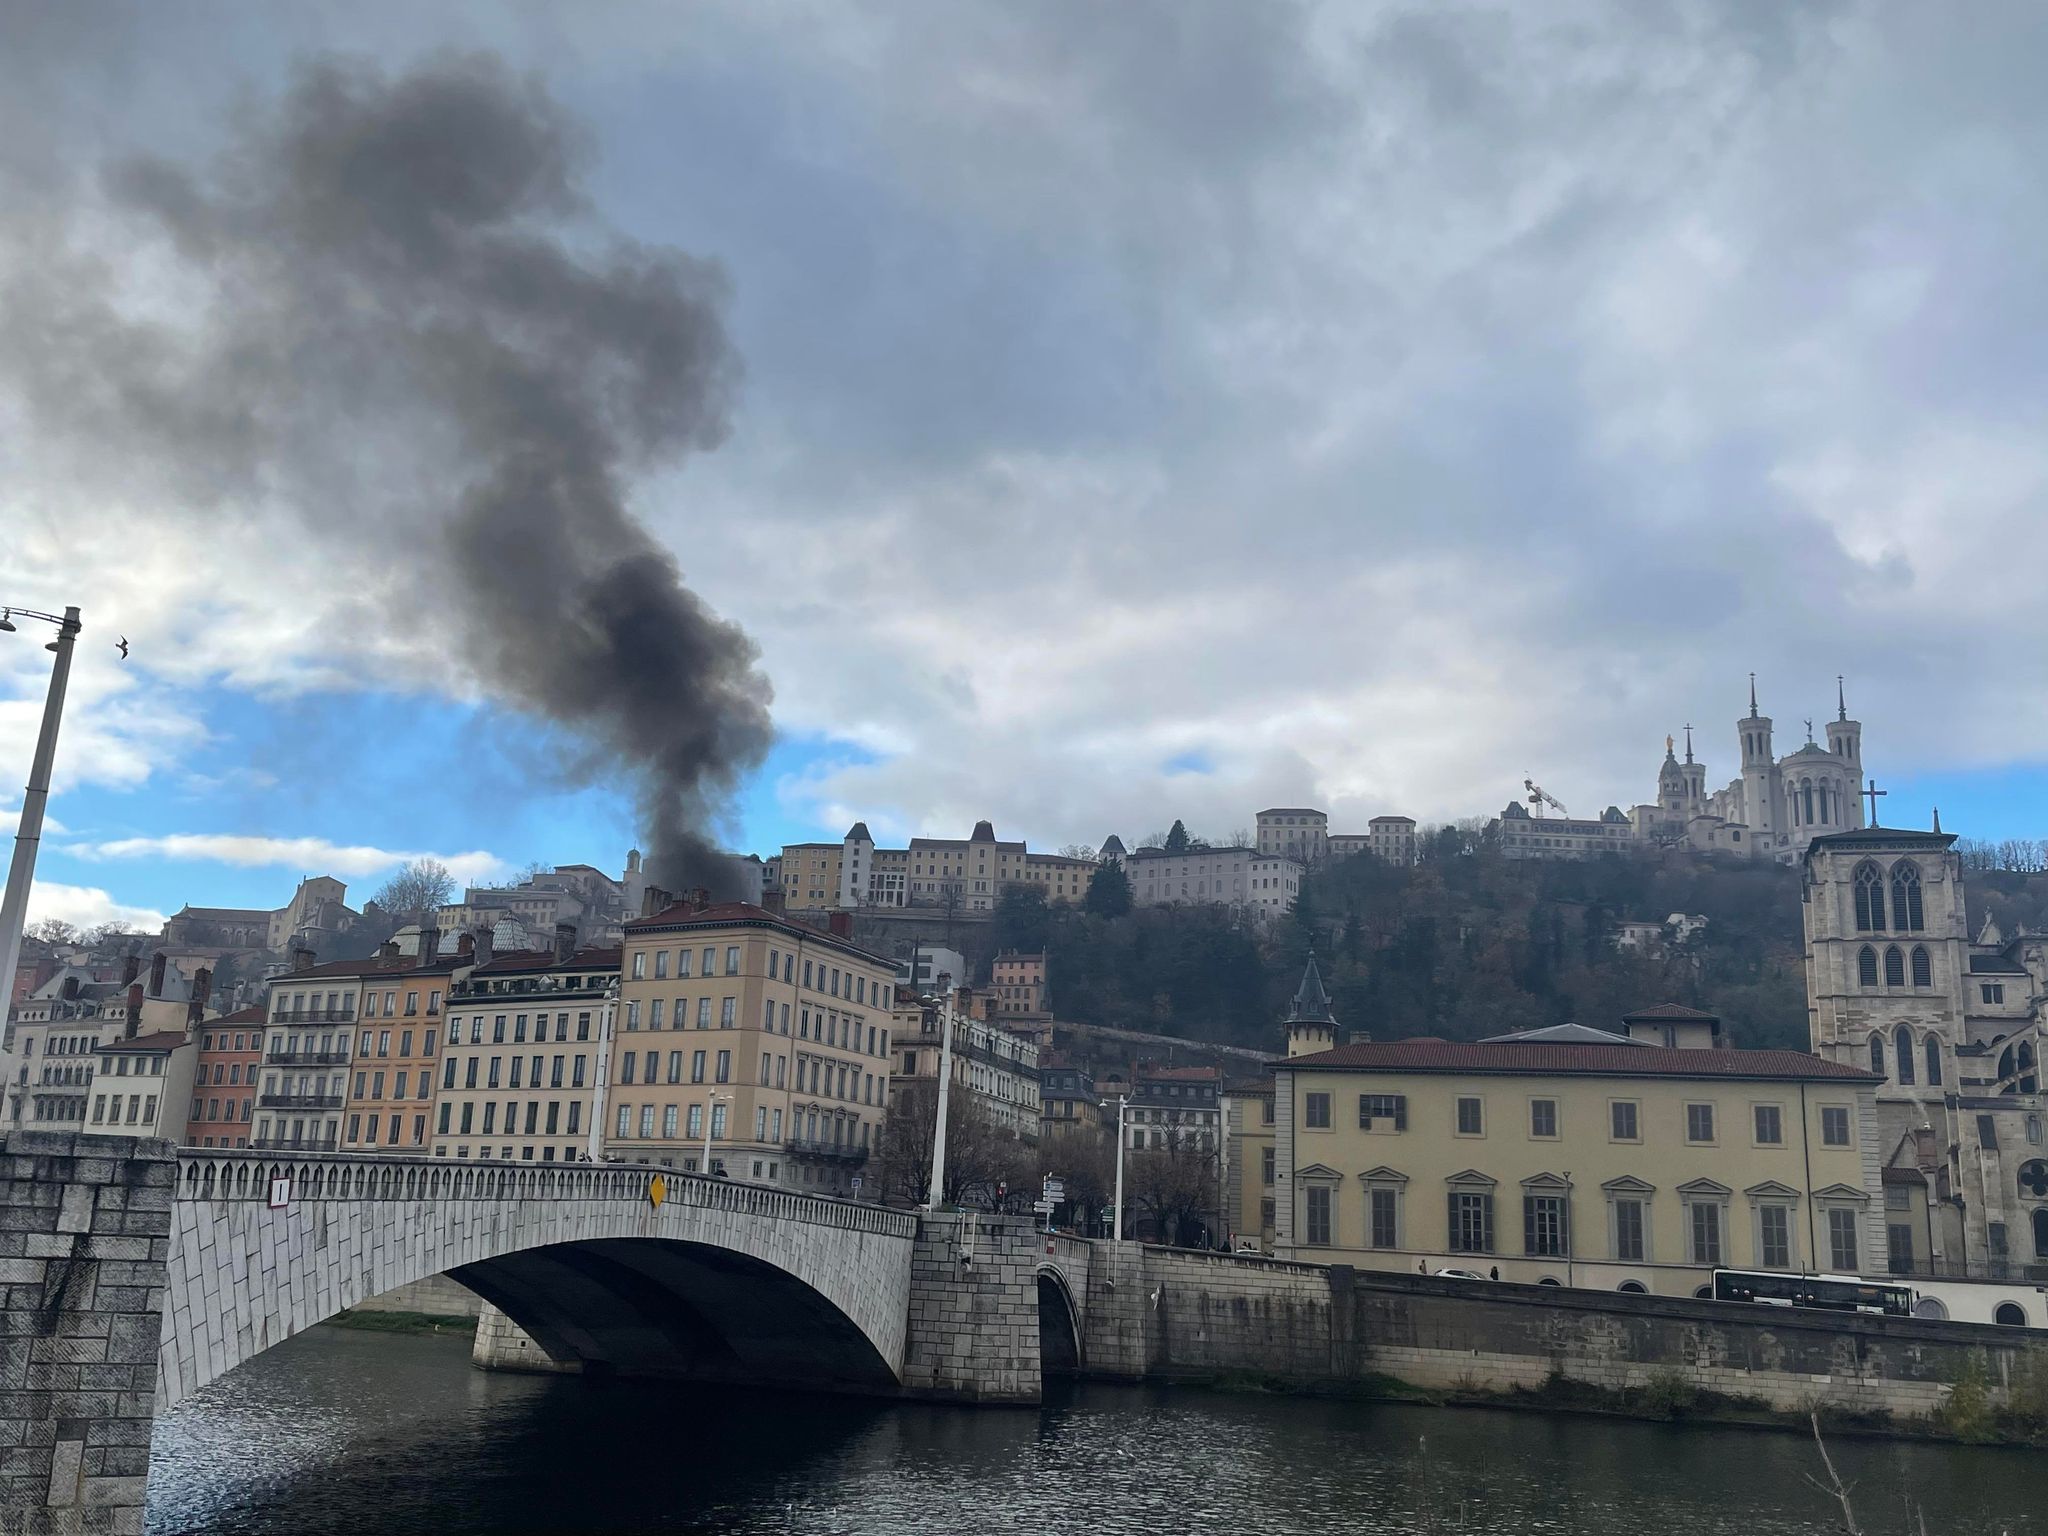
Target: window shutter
1451 1222
1401 1112
1486 1209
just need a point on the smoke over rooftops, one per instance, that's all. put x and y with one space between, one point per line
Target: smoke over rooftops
386 315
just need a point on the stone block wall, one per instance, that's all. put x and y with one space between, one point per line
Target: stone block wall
84 1223
973 1325
1165 1312
502 1345
435 1296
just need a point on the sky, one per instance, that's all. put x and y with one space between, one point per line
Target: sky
1140 411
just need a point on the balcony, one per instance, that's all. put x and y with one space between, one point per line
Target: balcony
316 1016
295 1144
827 1151
306 1058
298 1100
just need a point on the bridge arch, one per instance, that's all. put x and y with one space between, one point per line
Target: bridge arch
1060 1335
724 1280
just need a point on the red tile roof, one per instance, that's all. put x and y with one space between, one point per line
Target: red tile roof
1534 1059
253 1014
1180 1074
162 1040
1671 1013
729 914
516 961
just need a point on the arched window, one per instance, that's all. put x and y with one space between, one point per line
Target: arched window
1877 1054
1823 800
1866 967
1806 794
2005 1072
1894 966
1923 968
2041 1233
2010 1314
1902 1047
2028 1082
1906 897
1869 899
1933 1062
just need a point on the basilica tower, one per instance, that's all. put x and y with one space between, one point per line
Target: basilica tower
1759 775
1845 741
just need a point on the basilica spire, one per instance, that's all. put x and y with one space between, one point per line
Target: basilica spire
1841 699
1752 696
1688 743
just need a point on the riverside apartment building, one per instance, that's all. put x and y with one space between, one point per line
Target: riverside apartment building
769 1037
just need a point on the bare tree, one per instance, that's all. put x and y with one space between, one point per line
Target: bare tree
417 888
52 930
981 1157
1243 837
1086 1165
1076 851
1152 840
1175 1184
533 869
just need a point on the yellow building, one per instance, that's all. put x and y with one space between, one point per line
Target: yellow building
770 1036
1570 1157
963 874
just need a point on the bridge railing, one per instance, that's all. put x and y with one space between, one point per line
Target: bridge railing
206 1173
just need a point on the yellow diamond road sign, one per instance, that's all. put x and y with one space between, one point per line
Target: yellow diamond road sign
657 1191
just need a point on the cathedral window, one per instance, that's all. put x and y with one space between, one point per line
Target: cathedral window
2041 1234
1869 899
1906 897
1877 1054
1923 968
1823 800
1933 1062
1866 967
1806 794
1894 967
1902 1046
2028 1082
2006 1083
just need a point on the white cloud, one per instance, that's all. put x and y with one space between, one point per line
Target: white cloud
10 815
310 855
87 906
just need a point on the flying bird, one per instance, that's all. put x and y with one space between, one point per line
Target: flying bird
121 645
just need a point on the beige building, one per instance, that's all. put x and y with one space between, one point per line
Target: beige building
53 1041
310 1014
1017 984
1250 1185
1551 1159
1295 832
997 1070
1393 839
523 1060
1522 836
965 874
771 1037
142 1085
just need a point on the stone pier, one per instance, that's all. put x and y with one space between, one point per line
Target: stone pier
973 1333
84 1226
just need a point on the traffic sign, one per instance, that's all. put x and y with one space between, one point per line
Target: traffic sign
280 1192
856 1183
1044 1207
657 1191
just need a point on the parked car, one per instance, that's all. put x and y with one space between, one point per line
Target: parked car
1458 1274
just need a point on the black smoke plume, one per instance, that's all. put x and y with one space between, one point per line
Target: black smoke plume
387 315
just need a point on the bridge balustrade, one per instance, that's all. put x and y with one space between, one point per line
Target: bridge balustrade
233 1174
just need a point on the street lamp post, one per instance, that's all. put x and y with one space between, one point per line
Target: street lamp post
710 1116
21 873
1123 1102
593 1146
935 1196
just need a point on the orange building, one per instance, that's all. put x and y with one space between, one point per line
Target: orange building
224 1083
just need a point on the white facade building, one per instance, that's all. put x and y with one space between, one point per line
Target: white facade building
1262 884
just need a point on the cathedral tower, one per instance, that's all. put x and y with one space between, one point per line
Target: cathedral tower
1845 740
1759 774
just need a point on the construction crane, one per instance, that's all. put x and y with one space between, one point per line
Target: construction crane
1539 797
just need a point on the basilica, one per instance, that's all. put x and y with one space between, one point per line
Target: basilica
1776 807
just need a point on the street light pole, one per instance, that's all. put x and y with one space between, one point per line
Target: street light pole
710 1115
935 1196
1122 1103
21 873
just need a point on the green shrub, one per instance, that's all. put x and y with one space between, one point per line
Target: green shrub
1669 1394
1966 1412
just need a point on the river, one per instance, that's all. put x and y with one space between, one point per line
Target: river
354 1432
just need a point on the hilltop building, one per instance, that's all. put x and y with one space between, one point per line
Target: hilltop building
960 874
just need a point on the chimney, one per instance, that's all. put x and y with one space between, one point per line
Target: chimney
655 900
771 901
131 966
70 989
430 944
466 944
565 940
133 1024
388 950
302 957
156 974
202 991
839 924
699 898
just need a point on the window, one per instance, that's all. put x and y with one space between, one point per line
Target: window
1987 1133
1543 1118
1390 1108
1471 1117
1703 1231
1992 991
1866 967
732 960
1629 1229
1543 1226
724 1066
1898 1247
1933 1062
1770 1129
1906 897
1316 1111
1894 966
1923 968
1621 1120
1774 1236
1383 1218
1842 1241
1268 1160
1471 1222
668 1121
1834 1125
1902 1053
1869 899
1699 1122
728 1012
1318 1199
1877 1054
661 965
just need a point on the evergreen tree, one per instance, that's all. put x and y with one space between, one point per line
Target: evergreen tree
1109 891
1177 838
